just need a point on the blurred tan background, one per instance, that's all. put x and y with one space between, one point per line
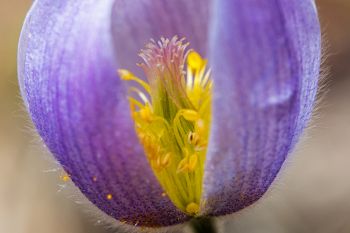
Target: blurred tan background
312 193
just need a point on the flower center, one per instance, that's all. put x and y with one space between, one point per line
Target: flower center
171 112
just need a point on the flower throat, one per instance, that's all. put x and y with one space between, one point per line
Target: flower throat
171 112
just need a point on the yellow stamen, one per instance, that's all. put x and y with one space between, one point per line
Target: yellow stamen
192 208
193 138
183 165
166 160
172 118
192 163
146 114
128 76
190 115
195 61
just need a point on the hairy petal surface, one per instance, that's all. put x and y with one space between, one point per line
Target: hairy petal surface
67 69
265 57
135 22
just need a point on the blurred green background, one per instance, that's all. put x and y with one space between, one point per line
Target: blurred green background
312 193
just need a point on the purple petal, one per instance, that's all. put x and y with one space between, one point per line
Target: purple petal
135 22
67 70
265 57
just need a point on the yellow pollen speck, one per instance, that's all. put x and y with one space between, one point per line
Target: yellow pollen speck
192 208
94 178
65 178
171 110
109 197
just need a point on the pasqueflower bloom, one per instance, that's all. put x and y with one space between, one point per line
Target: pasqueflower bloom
164 110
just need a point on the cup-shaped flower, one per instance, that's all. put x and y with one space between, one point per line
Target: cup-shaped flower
203 137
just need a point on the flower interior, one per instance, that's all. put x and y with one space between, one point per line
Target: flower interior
171 110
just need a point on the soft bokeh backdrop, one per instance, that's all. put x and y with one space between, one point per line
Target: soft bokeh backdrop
312 193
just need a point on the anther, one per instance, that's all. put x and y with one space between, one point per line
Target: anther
188 164
183 166
192 163
125 74
190 115
195 61
146 114
192 208
166 160
199 125
193 138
